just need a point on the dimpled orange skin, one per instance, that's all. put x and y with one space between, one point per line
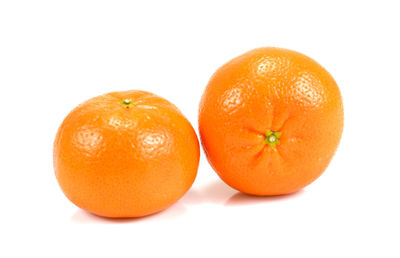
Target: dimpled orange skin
125 159
270 91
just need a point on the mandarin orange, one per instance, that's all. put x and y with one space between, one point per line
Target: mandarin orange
125 154
270 121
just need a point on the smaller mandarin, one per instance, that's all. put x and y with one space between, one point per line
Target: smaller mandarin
125 154
270 121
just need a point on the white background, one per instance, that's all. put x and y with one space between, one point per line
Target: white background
56 54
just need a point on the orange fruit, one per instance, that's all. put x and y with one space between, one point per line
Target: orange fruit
125 154
270 121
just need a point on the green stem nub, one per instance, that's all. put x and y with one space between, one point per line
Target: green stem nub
126 103
272 138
